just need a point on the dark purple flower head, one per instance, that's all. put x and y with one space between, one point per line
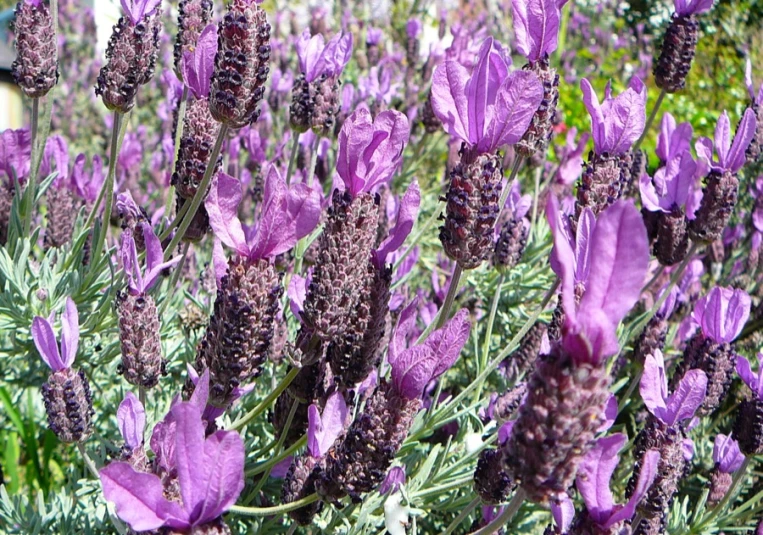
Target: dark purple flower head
536 26
45 339
140 281
756 98
489 107
370 150
673 140
681 404
316 57
16 153
210 475
407 213
394 480
609 258
137 10
752 380
287 215
684 8
199 65
731 156
595 474
671 185
726 454
413 28
323 429
722 313
87 185
414 367
617 122
131 418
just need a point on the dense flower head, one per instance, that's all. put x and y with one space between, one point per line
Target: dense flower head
595 474
45 338
682 403
323 428
616 123
370 150
685 8
722 313
726 454
609 258
199 64
731 155
287 214
317 57
413 368
489 107
140 281
536 26
671 186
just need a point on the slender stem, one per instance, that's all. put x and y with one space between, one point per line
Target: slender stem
292 157
142 395
450 296
462 516
88 461
650 120
178 136
279 445
38 148
488 334
439 489
201 193
174 280
258 469
535 201
265 403
175 222
656 276
501 520
276 510
738 477
518 160
636 521
107 190
313 161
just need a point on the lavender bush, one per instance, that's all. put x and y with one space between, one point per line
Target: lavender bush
490 269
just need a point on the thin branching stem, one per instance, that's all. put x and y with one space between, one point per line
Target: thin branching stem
505 517
650 120
455 280
466 511
488 334
266 403
178 136
292 157
276 510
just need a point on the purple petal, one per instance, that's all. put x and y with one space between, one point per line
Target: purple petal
446 343
280 470
646 477
136 10
736 157
610 414
131 418
223 469
406 218
726 454
723 313
482 88
337 53
746 374
405 324
200 394
654 384
328 426
667 127
189 455
722 139
310 55
219 260
304 209
45 341
562 258
198 65
16 152
138 497
69 333
297 293
222 206
314 430
595 473
563 511
684 402
536 26
394 480
583 237
517 100
504 432
154 257
449 101
693 7
412 370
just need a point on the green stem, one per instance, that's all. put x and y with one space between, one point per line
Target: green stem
518 160
650 120
142 395
501 520
94 472
292 157
201 193
488 334
462 516
178 136
439 489
731 493
265 403
276 510
262 467
313 160
279 445
535 203
175 222
174 281
455 280
107 190
37 151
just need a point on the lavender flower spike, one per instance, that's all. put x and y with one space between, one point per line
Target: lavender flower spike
210 475
536 26
198 65
616 123
594 478
722 314
45 339
681 404
748 426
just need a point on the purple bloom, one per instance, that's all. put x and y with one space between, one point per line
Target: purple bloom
757 99
45 339
297 293
571 158
288 214
753 381
394 480
137 10
731 156
210 476
323 429
673 140
370 151
684 8
536 26
140 281
199 65
407 213
595 474
316 57
55 155
16 153
671 186
490 107
681 404
373 36
414 367
617 122
610 258
563 512
726 454
87 186
131 418
504 432
722 313
413 28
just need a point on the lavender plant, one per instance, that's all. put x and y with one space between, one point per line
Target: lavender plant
273 336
